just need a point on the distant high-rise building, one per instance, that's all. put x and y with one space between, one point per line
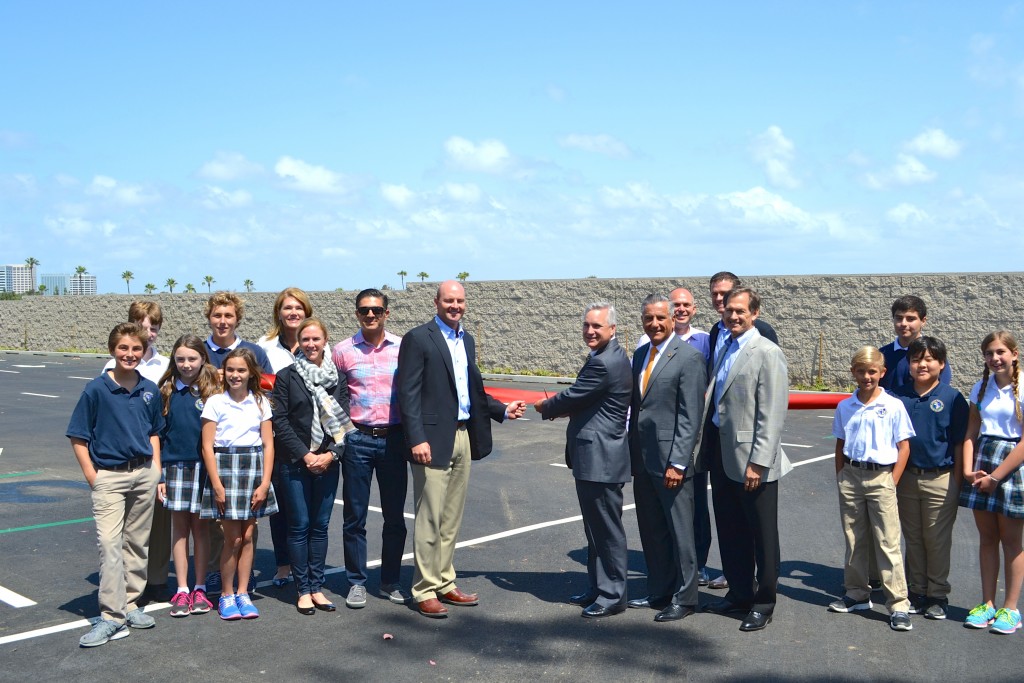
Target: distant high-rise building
84 284
59 283
18 279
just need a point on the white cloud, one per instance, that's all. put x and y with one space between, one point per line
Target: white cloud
599 144
774 152
906 213
489 156
468 193
908 170
219 198
119 193
398 195
226 166
632 196
935 142
303 177
75 226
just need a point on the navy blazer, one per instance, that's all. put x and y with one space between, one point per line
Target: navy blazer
293 414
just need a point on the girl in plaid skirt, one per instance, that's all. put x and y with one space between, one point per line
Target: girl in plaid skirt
184 388
238 451
992 460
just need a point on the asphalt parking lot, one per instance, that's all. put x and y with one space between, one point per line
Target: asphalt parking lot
522 548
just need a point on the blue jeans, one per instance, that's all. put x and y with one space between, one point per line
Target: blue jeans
363 455
310 500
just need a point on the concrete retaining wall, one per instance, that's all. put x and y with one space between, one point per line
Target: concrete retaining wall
534 325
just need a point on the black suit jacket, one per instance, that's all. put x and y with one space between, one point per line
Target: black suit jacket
293 414
428 401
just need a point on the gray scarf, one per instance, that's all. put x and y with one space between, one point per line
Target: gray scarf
327 413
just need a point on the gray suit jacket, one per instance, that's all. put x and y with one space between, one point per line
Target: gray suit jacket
596 448
752 410
665 422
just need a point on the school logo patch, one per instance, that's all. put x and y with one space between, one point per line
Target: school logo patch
880 413
936 405
199 404
147 397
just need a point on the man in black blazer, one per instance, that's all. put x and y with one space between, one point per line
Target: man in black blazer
669 379
446 417
597 451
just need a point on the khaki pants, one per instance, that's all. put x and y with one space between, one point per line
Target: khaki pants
440 498
871 524
928 504
122 503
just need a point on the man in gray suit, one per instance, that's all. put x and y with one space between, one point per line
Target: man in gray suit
745 412
597 452
669 379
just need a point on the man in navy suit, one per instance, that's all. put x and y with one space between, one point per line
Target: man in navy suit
597 451
447 416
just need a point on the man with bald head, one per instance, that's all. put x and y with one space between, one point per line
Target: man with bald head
446 417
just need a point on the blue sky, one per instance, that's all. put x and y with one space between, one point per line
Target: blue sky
333 144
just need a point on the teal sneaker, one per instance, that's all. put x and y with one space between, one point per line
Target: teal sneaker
981 616
1007 621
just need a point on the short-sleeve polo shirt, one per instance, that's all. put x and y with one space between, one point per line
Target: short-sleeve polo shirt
238 423
998 410
117 423
219 353
180 439
872 431
940 423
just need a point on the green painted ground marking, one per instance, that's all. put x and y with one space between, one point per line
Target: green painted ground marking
20 474
45 526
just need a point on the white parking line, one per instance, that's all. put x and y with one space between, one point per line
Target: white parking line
558 464
27 393
796 445
28 366
76 377
13 599
830 456
11 372
407 515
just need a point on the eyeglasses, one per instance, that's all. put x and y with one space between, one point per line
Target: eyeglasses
366 310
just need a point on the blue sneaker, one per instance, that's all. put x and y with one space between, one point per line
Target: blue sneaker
981 616
228 609
1007 621
245 607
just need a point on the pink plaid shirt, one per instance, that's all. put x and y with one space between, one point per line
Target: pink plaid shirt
370 373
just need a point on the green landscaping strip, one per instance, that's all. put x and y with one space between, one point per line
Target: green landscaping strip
20 474
45 526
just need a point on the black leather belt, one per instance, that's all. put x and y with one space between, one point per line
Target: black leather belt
376 432
133 464
462 424
929 470
867 465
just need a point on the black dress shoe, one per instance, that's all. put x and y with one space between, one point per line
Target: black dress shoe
755 621
324 606
582 600
674 613
725 606
649 602
307 611
596 611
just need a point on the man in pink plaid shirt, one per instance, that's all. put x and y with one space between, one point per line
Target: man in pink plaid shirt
369 361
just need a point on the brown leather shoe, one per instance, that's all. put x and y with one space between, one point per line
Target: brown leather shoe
457 597
432 608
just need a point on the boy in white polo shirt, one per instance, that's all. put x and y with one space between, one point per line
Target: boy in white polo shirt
872 430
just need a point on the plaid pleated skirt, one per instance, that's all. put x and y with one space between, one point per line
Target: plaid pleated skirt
240 471
1008 498
185 483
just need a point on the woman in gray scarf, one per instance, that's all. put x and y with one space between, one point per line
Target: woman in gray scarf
310 423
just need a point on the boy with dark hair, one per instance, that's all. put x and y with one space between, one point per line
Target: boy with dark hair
909 315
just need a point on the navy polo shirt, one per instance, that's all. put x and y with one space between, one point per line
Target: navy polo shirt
897 369
117 423
940 420
217 355
181 436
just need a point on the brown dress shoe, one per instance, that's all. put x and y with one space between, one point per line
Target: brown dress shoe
457 597
432 608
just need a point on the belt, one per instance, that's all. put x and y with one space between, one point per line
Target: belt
462 424
133 464
238 449
929 470
867 465
376 432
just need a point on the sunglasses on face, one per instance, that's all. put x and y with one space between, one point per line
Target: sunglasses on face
366 310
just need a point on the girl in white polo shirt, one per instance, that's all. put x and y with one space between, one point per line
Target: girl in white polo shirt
238 451
994 487
872 430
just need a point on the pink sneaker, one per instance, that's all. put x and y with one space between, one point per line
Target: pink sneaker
181 605
200 603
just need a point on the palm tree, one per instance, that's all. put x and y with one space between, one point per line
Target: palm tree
402 275
128 276
462 277
42 289
80 271
248 284
208 279
189 289
422 276
32 262
150 288
171 284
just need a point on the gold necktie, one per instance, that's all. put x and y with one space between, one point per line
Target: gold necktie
647 370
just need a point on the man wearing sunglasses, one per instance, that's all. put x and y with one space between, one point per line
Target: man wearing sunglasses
369 362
